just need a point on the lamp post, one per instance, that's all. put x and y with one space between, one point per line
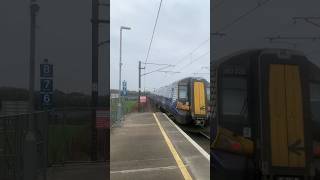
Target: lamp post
120 64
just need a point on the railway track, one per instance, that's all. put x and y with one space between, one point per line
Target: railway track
202 138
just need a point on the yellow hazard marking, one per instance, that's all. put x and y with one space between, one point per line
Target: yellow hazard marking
174 152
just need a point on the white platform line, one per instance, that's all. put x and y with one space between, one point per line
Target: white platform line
196 145
208 137
144 170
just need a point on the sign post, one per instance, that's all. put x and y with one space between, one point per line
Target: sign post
46 84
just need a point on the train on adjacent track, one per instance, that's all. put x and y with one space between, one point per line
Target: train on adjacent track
186 101
265 117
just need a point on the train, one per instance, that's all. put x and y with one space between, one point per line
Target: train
185 100
265 116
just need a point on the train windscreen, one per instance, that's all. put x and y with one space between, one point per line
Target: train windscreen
183 93
235 105
315 105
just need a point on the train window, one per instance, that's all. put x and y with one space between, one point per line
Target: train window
315 101
183 93
315 113
234 103
234 95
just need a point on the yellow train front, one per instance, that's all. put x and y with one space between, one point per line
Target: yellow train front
265 122
185 100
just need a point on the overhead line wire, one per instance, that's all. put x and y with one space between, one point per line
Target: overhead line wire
224 28
198 58
154 29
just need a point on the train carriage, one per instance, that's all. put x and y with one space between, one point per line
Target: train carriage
265 116
186 100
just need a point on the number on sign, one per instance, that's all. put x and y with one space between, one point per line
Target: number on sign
46 85
46 98
46 68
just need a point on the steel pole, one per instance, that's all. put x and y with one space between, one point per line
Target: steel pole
120 64
30 147
34 8
139 86
94 80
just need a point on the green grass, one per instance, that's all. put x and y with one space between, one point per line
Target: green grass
69 142
129 105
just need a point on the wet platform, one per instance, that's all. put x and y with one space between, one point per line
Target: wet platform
150 146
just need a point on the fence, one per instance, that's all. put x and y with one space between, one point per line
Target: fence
29 143
127 106
23 147
69 136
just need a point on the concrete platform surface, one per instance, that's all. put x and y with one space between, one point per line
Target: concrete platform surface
83 171
139 151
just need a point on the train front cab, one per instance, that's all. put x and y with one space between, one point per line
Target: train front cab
266 116
192 102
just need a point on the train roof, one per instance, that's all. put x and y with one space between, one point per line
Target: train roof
255 51
191 78
186 79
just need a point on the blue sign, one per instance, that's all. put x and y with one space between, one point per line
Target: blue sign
46 85
46 70
46 99
124 88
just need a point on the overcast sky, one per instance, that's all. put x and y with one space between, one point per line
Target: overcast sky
272 19
64 37
182 26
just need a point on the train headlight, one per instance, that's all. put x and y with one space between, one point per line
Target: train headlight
227 141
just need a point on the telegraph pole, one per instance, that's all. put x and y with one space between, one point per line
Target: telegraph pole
94 91
139 86
139 105
34 8
95 72
29 143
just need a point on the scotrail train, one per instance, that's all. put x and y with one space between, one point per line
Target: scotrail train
265 118
186 100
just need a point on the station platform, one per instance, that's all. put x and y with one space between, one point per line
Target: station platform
79 171
151 146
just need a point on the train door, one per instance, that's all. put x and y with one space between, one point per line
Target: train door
286 116
199 93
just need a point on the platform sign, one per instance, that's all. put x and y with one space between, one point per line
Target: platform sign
102 119
143 99
46 84
46 99
124 88
46 70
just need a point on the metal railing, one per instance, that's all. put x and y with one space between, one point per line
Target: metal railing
23 146
70 133
127 106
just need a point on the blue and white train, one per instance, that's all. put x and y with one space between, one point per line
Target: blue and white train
186 100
